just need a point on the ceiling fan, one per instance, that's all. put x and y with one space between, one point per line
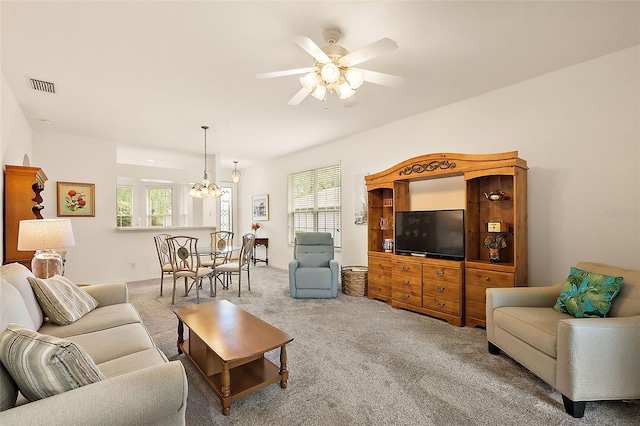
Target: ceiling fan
333 69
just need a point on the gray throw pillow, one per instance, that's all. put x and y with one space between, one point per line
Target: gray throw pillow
61 300
44 366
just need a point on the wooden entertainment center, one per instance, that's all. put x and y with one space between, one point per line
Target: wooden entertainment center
453 290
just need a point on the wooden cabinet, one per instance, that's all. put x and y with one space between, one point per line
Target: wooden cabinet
379 277
406 279
447 289
22 187
510 213
442 285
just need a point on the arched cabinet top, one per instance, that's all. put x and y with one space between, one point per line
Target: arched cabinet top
432 166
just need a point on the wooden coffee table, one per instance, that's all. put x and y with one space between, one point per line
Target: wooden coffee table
228 344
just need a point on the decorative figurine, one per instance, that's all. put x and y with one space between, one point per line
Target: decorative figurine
495 244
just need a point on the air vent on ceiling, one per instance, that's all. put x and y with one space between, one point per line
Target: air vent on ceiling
43 86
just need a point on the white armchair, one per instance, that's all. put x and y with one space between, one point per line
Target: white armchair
585 359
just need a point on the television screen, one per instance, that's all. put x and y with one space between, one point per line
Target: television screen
435 233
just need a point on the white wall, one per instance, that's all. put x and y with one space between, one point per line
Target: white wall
15 138
102 253
576 127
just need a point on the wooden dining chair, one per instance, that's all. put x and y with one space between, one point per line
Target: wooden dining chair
185 263
162 248
220 246
243 263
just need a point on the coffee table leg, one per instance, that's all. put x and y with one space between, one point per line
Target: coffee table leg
225 383
180 336
284 373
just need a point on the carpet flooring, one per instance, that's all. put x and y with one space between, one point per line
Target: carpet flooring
355 361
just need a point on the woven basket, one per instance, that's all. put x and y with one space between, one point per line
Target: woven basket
354 280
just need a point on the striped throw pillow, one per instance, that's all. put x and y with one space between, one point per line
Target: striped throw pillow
44 366
61 300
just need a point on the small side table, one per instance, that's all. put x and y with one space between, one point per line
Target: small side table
261 242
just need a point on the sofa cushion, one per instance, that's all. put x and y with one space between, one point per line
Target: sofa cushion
313 277
112 343
8 390
44 366
16 274
132 362
536 326
588 294
103 318
61 300
13 308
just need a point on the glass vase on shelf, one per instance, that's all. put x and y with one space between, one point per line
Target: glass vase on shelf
254 228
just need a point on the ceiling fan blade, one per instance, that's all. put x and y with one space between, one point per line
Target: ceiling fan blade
381 78
285 72
312 49
298 97
371 51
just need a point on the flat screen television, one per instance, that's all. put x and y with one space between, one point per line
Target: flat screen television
432 233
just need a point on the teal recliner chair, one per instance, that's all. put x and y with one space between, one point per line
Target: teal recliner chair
313 274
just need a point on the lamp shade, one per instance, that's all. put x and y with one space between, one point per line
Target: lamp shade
45 234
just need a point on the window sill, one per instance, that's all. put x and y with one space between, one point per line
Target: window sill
162 228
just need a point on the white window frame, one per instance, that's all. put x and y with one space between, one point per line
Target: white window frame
118 216
313 208
166 219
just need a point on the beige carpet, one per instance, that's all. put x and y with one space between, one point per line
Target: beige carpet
356 361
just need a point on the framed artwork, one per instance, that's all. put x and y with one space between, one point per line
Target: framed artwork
260 207
76 199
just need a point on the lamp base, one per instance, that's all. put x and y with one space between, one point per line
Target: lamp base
46 263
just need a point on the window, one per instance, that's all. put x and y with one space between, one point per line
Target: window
124 203
226 215
159 207
314 202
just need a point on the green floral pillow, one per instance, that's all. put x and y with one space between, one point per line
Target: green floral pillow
587 294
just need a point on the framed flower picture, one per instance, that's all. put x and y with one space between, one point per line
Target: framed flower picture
260 207
76 199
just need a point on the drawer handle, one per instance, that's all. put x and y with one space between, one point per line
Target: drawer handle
487 279
404 282
440 289
405 269
440 273
405 296
380 264
440 304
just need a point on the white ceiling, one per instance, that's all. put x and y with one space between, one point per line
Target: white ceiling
151 73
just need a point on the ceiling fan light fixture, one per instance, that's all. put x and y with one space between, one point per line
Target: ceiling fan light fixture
309 81
345 91
319 93
330 72
235 174
355 78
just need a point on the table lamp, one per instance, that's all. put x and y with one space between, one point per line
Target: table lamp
45 236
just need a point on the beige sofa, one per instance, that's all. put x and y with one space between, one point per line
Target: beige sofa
585 359
142 387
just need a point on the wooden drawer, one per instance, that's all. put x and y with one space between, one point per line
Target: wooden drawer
486 279
438 289
442 274
441 304
406 295
413 270
379 265
379 285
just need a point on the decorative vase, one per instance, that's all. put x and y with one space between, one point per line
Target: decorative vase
494 255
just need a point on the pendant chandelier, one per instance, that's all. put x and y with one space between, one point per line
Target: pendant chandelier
205 189
235 174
